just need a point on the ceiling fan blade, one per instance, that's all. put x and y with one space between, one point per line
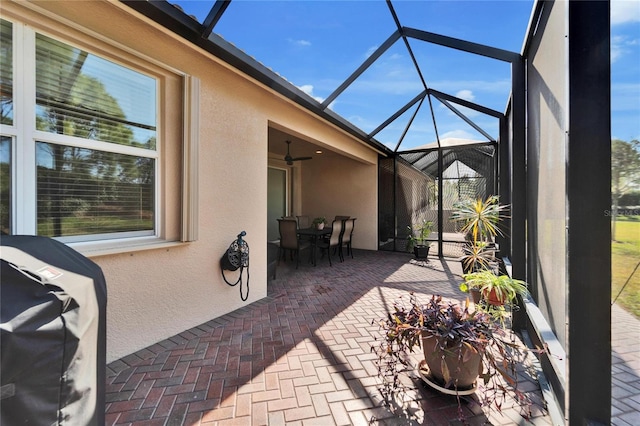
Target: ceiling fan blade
289 159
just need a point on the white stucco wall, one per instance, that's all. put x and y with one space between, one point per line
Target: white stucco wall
153 294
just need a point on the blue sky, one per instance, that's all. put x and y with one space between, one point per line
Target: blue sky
625 69
315 45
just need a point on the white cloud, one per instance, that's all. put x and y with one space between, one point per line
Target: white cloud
458 134
624 11
370 51
308 89
616 48
465 94
303 43
620 46
361 122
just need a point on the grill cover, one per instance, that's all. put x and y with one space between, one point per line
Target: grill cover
53 334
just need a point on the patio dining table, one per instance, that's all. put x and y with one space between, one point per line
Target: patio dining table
315 235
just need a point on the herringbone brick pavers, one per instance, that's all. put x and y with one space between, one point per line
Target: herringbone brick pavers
301 356
625 368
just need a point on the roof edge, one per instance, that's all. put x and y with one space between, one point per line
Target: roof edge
171 18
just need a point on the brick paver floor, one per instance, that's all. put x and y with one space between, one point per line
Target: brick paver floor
625 368
301 356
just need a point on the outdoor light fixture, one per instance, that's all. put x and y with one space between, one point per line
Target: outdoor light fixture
318 151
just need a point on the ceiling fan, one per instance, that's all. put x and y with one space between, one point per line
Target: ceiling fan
289 159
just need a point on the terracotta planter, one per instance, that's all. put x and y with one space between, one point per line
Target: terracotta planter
320 226
476 296
492 298
464 370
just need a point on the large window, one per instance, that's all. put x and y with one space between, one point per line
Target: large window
79 137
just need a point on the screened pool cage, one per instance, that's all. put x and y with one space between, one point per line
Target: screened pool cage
420 185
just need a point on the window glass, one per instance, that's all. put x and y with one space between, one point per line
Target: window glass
82 191
85 164
82 95
6 72
5 185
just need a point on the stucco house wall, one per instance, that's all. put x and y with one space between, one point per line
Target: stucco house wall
160 290
342 187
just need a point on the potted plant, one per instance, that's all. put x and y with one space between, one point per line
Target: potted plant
478 255
319 222
417 240
460 347
496 289
481 224
480 218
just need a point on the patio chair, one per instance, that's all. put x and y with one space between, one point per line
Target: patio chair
341 219
333 241
289 239
347 234
303 222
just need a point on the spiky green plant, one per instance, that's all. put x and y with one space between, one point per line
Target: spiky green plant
480 218
478 256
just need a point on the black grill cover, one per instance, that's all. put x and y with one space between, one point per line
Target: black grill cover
53 334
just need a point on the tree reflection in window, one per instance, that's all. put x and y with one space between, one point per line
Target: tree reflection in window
94 187
5 185
85 192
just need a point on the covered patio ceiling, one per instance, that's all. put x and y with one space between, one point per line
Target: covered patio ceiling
391 73
300 147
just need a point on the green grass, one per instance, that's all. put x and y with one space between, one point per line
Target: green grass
625 255
94 225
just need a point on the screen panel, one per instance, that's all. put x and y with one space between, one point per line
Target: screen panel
546 180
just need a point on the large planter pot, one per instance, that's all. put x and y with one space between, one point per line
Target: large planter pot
492 298
464 368
421 251
475 295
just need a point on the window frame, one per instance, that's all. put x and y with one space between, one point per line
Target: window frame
23 153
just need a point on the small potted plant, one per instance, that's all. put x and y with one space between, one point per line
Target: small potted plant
417 240
496 289
480 221
461 347
478 255
319 223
